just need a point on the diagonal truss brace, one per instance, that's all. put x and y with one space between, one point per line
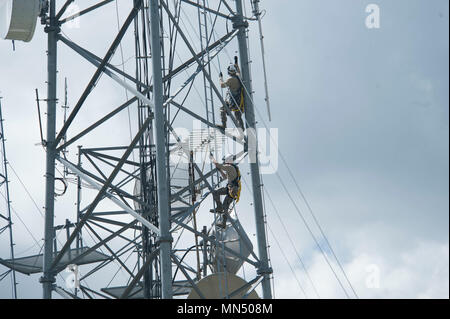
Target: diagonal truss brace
100 195
99 71
116 201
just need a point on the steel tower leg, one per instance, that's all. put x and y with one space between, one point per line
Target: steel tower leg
8 201
161 156
48 277
253 151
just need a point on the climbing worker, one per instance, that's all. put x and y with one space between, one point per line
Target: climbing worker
232 191
235 95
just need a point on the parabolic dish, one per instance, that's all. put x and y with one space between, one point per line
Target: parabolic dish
220 286
18 19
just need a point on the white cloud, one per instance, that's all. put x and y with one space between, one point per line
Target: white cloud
421 272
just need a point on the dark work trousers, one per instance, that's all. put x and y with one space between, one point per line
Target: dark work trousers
237 114
222 207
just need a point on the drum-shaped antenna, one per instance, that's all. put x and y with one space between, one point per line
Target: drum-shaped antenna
18 19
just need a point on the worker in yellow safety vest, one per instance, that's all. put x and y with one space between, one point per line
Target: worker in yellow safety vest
232 191
235 95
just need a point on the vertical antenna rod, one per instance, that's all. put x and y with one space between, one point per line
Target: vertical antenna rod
160 138
257 13
263 269
48 277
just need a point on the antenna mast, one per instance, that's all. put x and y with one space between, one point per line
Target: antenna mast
135 215
52 29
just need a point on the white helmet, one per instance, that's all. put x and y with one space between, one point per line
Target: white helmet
232 69
229 158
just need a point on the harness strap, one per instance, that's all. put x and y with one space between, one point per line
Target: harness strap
236 183
234 103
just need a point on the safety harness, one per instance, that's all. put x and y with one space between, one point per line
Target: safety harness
234 186
237 98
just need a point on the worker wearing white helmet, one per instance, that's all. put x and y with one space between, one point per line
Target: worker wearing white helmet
229 171
235 95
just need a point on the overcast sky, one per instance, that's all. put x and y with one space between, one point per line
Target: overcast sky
362 119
